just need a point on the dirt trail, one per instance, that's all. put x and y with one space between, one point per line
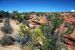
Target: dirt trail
1 33
11 47
14 26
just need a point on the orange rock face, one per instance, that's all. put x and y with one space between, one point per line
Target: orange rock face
35 21
69 19
43 20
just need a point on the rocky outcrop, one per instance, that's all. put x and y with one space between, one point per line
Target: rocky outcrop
69 19
36 21
69 40
43 20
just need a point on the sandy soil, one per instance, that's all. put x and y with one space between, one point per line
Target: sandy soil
11 47
14 26
1 33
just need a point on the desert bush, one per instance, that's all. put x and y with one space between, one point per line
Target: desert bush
24 28
7 40
36 35
7 28
23 36
22 39
29 37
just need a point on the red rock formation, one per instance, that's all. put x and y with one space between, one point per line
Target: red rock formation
69 19
70 41
35 21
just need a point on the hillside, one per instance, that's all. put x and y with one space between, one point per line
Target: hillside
37 31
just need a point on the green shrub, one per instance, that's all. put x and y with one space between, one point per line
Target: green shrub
23 36
52 40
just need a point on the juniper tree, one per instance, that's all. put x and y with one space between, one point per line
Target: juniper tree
53 40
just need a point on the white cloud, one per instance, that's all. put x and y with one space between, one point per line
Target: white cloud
72 10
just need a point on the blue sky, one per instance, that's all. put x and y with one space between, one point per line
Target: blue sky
37 5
